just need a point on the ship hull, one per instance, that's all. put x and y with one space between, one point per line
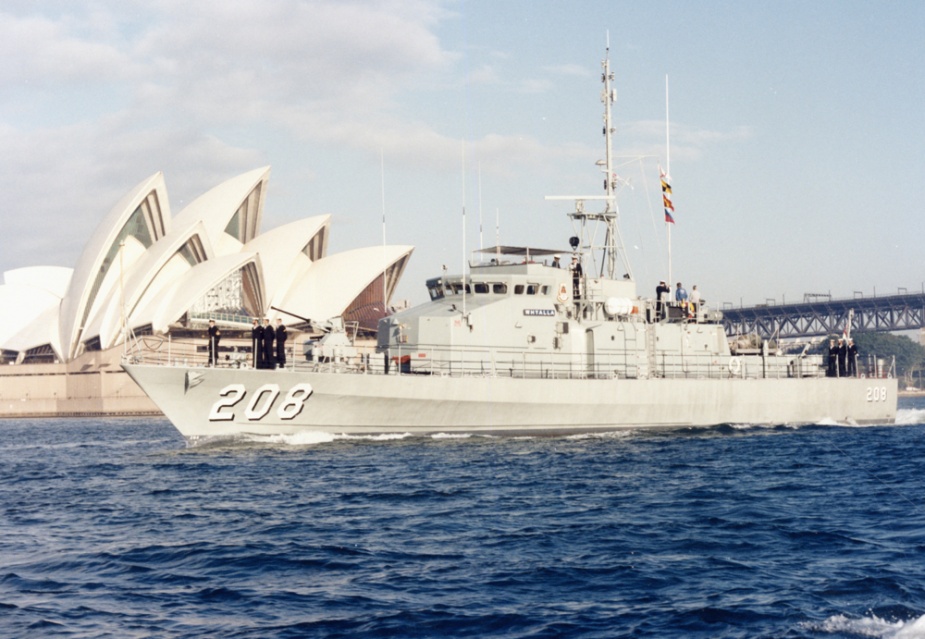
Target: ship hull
221 402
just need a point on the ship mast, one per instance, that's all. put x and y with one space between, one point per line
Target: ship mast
613 243
608 97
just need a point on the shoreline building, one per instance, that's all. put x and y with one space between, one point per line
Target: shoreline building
146 272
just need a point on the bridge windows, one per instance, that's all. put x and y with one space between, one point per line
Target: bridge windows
531 289
495 288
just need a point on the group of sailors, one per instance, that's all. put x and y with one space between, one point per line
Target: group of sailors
843 358
687 303
268 344
576 271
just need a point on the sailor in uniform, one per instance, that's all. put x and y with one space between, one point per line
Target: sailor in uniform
214 336
269 358
257 344
280 343
852 358
842 358
661 297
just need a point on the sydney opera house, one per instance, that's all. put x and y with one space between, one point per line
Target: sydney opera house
145 271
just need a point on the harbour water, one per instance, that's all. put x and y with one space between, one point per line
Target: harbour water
114 528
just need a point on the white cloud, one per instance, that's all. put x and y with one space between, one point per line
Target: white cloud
60 182
485 74
39 52
576 70
185 73
329 51
536 85
688 142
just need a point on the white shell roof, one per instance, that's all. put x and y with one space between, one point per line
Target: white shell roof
216 207
165 309
153 280
335 281
158 267
54 279
31 318
282 252
74 306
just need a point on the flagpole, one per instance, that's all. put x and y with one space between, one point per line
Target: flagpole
668 172
465 263
385 297
480 208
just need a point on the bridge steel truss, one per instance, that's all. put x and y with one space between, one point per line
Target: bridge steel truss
813 319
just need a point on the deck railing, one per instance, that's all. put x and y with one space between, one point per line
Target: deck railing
423 359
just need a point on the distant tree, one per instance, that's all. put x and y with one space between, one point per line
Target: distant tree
910 356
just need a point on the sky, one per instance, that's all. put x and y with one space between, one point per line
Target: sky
795 144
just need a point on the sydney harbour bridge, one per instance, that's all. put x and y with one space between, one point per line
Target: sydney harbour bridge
820 315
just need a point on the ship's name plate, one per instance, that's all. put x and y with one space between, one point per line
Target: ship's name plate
539 312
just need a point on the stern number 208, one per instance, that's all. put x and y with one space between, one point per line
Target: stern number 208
876 394
261 403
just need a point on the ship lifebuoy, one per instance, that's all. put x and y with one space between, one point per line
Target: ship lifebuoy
735 365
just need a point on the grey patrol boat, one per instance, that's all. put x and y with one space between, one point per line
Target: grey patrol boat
520 346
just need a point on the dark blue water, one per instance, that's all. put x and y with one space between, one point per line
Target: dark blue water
113 528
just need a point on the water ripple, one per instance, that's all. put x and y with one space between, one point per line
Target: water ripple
115 528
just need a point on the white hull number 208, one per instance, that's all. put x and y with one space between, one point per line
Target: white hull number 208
261 403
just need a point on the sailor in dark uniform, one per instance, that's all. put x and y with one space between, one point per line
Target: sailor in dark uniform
257 344
280 343
832 370
842 358
661 298
852 358
214 336
269 357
